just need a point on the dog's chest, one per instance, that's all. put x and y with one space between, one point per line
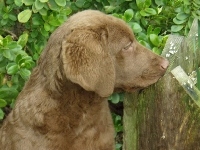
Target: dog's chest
79 128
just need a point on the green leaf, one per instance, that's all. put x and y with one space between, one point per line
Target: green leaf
68 11
12 103
140 3
137 16
37 20
1 58
74 7
79 3
53 6
3 103
160 2
182 16
2 5
186 2
176 28
5 16
3 66
136 27
53 21
115 98
7 54
23 39
197 2
144 22
157 50
150 11
157 30
144 43
44 1
143 3
12 69
142 36
147 3
44 32
1 38
35 56
1 114
24 16
43 12
7 40
121 95
34 34
154 39
47 27
195 15
143 13
29 65
87 4
24 73
177 21
21 63
8 93
10 64
18 58
12 17
109 9
149 29
38 5
187 9
128 14
18 2
61 2
26 62
13 47
34 9
1 79
4 22
118 146
28 2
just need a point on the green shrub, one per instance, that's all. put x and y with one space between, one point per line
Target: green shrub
25 26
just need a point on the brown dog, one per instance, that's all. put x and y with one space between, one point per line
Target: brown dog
64 104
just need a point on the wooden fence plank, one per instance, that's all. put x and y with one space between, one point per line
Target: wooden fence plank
163 117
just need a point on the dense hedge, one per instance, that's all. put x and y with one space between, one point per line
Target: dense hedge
25 26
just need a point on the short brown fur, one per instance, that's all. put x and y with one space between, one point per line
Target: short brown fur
64 104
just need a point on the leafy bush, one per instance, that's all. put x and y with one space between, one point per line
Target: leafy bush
22 38
25 26
14 68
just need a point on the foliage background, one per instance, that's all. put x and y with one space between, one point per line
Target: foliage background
25 26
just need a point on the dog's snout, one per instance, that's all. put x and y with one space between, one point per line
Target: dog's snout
164 64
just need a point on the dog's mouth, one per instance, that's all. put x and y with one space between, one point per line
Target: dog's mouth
149 79
148 75
134 89
129 89
146 83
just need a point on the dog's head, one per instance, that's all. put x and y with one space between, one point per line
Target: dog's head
100 53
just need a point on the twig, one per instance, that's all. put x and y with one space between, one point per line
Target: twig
11 33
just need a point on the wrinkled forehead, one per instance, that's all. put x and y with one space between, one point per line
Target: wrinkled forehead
120 29
119 37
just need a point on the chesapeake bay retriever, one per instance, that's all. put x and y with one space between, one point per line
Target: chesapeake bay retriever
64 104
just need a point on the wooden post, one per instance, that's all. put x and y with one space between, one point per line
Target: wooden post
163 117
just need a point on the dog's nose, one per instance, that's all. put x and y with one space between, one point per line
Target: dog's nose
164 64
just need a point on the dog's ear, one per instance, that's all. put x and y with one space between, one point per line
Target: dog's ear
87 61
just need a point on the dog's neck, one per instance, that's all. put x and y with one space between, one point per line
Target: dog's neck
73 92
60 89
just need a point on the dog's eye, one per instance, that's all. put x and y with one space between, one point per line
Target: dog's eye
127 46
